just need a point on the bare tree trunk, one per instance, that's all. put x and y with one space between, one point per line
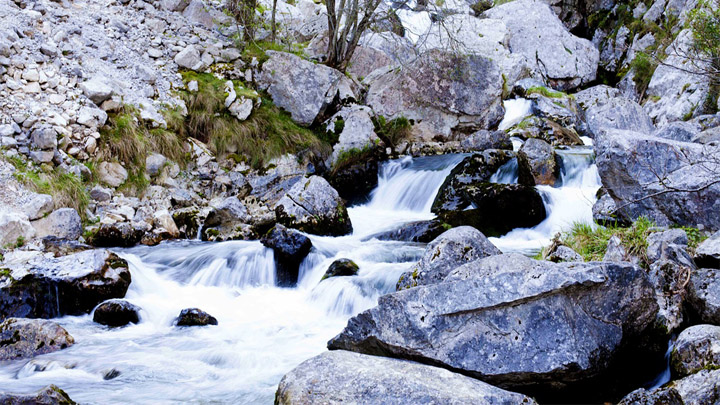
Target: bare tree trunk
273 27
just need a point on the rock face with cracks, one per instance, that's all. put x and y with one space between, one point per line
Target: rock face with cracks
512 321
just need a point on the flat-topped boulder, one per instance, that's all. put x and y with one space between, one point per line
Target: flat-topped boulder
43 287
313 206
514 322
341 376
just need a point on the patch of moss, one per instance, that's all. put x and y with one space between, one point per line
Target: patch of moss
544 91
394 131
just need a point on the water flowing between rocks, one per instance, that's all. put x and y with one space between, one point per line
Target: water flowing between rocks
264 331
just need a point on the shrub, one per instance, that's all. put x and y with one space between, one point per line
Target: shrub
392 132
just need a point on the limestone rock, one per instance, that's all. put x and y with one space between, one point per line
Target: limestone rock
24 338
64 223
313 206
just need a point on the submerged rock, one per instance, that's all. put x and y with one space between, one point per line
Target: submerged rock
341 376
514 322
418 231
313 206
116 313
22 338
290 248
194 317
50 395
452 249
67 285
341 267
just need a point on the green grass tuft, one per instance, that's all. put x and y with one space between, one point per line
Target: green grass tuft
591 242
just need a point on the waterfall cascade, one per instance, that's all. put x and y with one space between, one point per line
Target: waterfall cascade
264 331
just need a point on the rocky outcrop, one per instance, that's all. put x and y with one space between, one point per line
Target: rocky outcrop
703 295
24 338
550 325
676 90
116 313
667 181
340 268
696 348
452 249
14 228
537 163
227 220
50 395
700 388
313 206
707 253
341 376
63 223
303 88
290 248
670 268
618 113
67 285
565 60
195 317
121 234
440 92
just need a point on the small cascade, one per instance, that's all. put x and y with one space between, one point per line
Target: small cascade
664 376
507 173
570 202
515 111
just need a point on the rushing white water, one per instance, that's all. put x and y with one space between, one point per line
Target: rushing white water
263 331
664 376
515 111
566 204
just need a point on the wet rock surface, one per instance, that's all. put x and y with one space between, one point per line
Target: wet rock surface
50 395
696 348
313 206
290 248
67 285
195 317
22 338
116 313
340 268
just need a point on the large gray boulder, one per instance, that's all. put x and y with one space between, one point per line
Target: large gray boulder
64 223
112 173
670 266
97 90
290 248
313 206
14 227
700 388
24 338
667 181
696 348
50 395
707 253
227 220
618 113
512 321
676 90
703 295
346 377
357 132
441 92
448 251
302 88
565 60
68 285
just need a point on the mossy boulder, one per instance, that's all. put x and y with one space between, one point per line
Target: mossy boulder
341 267
50 395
